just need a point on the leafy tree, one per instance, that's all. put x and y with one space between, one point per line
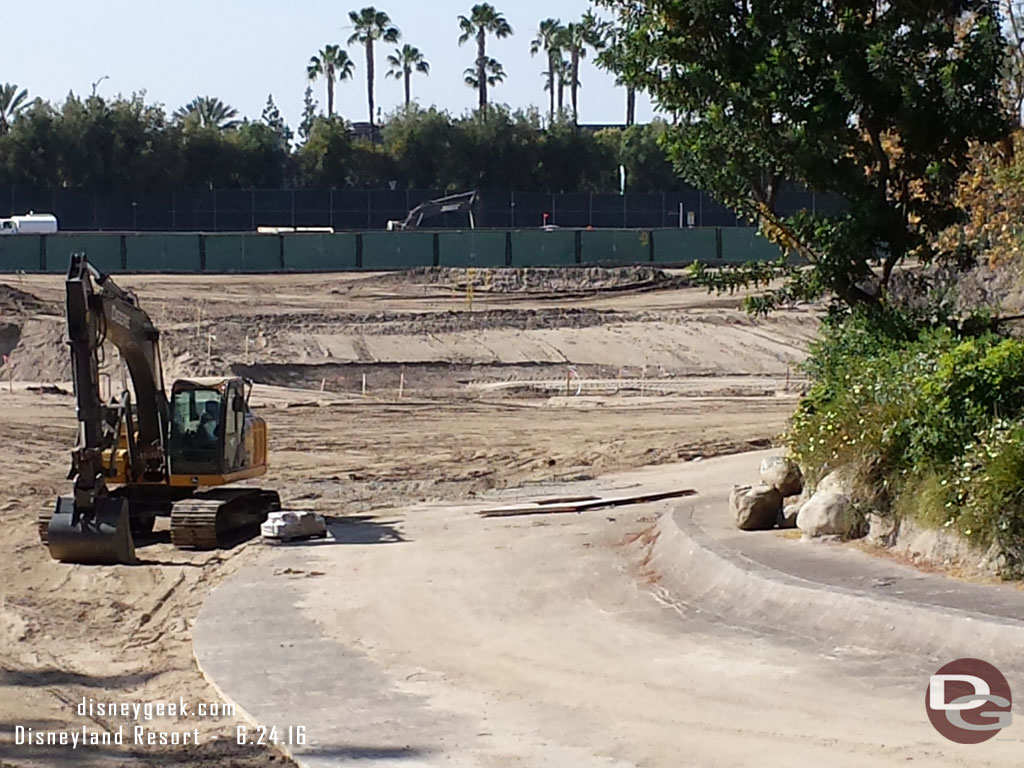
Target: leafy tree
640 152
549 40
272 118
260 157
420 142
371 165
1013 82
309 107
371 25
331 63
484 19
208 112
325 157
573 161
495 149
876 103
12 103
404 61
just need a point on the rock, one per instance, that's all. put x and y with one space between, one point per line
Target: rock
789 513
782 474
828 513
882 529
755 508
839 481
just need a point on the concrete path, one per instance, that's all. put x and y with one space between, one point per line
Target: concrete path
639 636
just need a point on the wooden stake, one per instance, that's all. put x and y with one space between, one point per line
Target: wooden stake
364 385
247 349
401 385
323 383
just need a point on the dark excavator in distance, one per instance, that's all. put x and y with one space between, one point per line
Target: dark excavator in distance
159 454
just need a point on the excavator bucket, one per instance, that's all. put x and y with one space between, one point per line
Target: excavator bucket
101 538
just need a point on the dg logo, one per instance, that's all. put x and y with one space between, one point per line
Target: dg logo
968 701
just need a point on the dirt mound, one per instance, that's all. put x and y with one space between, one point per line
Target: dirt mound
14 301
538 281
38 352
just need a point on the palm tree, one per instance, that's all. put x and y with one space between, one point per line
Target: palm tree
483 19
331 63
548 40
403 62
12 103
576 36
494 73
209 112
371 25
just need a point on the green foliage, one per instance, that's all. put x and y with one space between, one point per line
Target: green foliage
131 145
884 120
325 157
934 419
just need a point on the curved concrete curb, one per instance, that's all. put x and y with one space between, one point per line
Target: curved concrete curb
697 570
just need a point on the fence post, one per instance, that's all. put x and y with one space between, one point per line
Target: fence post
293 209
512 210
590 211
252 210
330 204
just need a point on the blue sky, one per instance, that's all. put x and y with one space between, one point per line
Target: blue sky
241 50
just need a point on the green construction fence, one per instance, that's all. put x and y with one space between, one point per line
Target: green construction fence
313 252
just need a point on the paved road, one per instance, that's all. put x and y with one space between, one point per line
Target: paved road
432 637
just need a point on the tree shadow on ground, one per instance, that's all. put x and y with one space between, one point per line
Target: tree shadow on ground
40 678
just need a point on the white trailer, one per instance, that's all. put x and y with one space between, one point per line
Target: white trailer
29 224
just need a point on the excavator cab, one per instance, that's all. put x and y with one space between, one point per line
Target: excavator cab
212 430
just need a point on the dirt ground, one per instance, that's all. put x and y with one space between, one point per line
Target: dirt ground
380 391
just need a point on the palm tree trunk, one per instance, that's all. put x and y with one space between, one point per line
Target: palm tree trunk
572 84
330 92
408 77
551 87
369 81
561 93
481 69
630 105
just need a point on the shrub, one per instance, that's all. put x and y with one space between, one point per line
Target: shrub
932 419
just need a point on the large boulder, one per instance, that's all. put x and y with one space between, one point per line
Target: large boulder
755 508
838 481
829 513
782 474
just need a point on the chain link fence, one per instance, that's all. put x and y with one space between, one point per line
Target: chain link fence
233 210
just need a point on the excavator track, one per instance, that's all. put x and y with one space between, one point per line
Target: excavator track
43 523
220 517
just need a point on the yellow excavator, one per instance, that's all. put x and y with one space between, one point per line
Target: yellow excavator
155 456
